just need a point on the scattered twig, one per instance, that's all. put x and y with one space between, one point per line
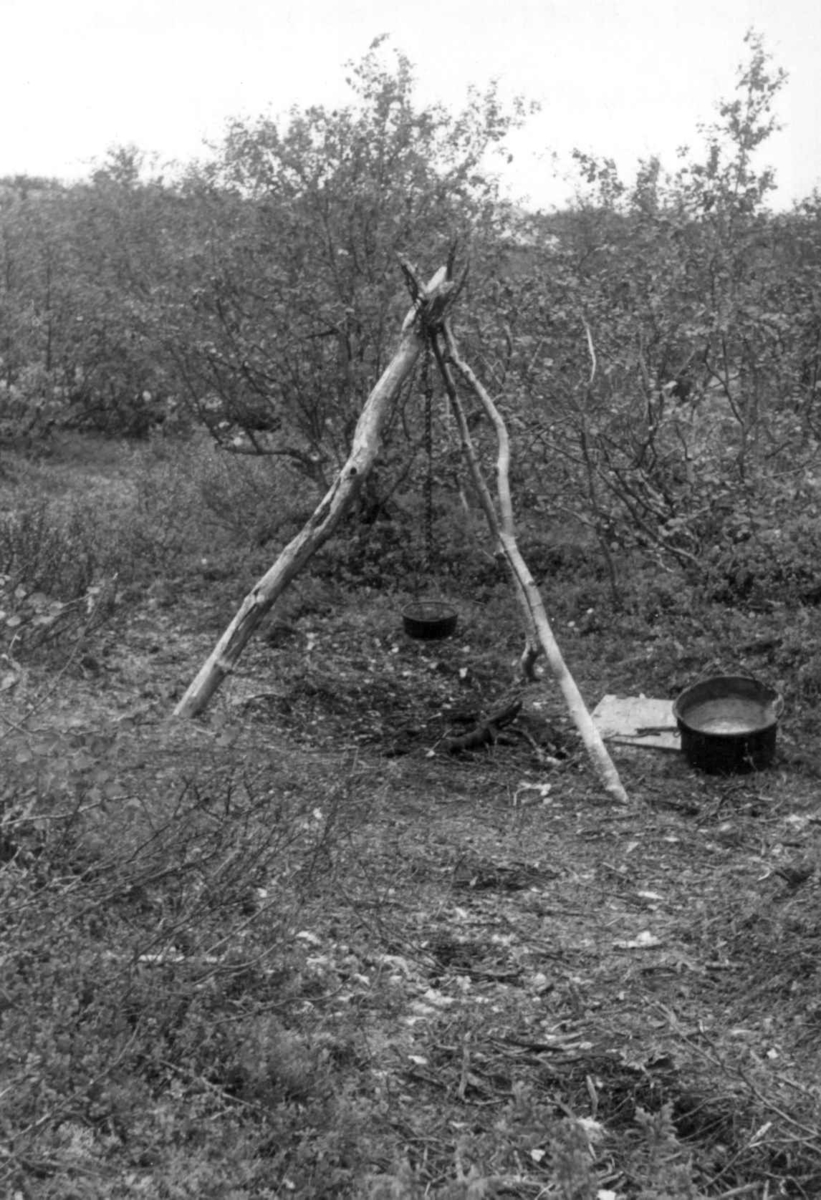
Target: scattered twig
486 732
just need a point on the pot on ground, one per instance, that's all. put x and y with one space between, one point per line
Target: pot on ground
728 724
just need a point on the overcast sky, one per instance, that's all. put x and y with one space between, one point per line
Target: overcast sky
625 78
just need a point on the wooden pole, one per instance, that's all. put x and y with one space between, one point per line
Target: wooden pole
430 303
539 634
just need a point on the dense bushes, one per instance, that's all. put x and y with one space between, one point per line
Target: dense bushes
655 349
657 352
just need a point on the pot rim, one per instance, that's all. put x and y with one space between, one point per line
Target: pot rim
429 610
766 691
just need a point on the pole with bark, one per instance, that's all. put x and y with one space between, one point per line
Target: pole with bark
538 632
430 305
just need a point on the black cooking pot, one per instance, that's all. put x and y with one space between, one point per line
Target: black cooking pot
430 620
728 724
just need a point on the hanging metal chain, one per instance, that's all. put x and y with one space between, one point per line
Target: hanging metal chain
427 392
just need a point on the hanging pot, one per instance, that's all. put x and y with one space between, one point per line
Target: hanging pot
728 724
429 620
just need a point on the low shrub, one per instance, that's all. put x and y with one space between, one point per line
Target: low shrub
772 559
256 501
40 552
54 589
153 999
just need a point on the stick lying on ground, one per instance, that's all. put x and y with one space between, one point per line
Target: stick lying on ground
486 732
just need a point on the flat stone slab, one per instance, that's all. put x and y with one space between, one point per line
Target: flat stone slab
637 721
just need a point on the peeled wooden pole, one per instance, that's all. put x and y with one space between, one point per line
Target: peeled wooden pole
540 637
430 304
